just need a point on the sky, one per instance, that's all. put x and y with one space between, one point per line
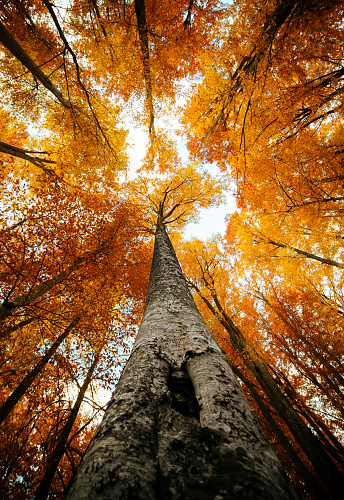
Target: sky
212 221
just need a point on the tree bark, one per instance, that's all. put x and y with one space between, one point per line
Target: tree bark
178 425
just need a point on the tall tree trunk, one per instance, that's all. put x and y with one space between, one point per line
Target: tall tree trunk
43 488
12 400
178 425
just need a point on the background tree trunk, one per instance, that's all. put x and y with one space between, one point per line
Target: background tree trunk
19 391
313 448
17 51
178 425
44 487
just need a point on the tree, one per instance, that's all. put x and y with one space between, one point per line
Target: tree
310 444
54 459
15 396
298 388
178 424
258 88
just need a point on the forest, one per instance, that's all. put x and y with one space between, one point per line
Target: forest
114 110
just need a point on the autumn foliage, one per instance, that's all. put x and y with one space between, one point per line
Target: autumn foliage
257 88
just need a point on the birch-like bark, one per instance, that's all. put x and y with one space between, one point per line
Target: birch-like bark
178 425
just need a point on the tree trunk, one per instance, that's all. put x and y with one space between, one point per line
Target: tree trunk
8 307
309 255
5 333
12 400
17 51
140 11
44 487
178 425
26 155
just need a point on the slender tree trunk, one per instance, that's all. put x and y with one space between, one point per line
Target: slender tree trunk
140 11
316 351
44 487
4 334
25 155
9 306
301 468
178 425
309 255
17 51
187 21
284 10
12 400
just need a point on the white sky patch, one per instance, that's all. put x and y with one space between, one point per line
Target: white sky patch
138 141
211 220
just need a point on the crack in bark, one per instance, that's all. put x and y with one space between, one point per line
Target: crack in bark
183 394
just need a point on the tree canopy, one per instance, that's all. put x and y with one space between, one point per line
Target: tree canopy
230 95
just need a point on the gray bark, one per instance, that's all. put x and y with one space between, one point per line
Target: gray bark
178 425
